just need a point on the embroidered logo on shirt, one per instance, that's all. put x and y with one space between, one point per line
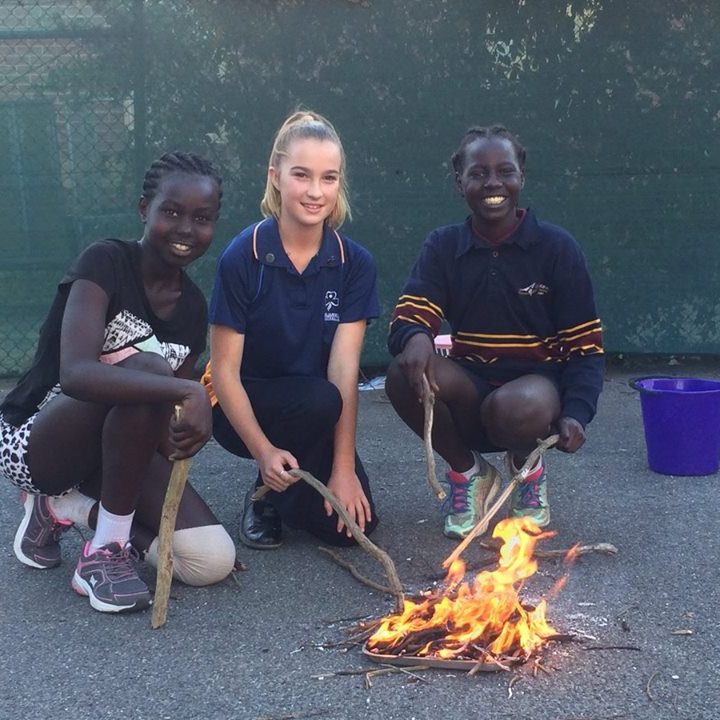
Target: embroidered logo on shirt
331 301
534 289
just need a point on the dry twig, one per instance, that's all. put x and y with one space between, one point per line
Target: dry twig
355 572
339 673
428 399
648 692
296 716
349 618
362 540
513 680
391 669
362 631
484 660
603 548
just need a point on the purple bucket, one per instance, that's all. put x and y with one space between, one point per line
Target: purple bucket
681 416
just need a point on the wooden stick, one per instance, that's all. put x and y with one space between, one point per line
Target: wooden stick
395 588
428 398
260 493
603 547
390 669
521 474
355 572
174 492
362 540
481 526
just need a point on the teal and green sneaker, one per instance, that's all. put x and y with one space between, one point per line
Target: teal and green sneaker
530 498
469 500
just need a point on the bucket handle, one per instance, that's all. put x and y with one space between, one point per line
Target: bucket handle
633 382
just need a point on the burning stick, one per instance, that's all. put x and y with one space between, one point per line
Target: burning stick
174 492
578 550
428 399
362 540
486 657
602 547
524 471
482 624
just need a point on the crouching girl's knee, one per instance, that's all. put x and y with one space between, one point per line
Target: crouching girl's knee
201 555
397 387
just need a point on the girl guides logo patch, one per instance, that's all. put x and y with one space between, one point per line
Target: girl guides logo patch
332 301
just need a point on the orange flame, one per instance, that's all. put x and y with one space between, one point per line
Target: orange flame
486 613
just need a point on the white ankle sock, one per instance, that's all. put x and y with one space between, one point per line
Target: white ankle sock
111 528
74 506
479 465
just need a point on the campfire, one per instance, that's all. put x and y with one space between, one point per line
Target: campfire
480 622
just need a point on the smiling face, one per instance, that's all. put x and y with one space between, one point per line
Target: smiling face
490 181
180 218
308 178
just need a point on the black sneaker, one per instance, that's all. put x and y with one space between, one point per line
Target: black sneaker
36 540
260 528
108 577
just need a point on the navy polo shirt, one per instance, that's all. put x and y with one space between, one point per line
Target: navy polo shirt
289 319
523 306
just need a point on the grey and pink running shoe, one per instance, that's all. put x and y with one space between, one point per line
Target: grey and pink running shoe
37 539
107 576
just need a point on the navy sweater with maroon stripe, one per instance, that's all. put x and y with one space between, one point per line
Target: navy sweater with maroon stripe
524 306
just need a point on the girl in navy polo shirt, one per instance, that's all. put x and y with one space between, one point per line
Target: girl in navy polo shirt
526 357
291 302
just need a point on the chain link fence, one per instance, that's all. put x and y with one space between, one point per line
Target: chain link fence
618 106
67 149
78 127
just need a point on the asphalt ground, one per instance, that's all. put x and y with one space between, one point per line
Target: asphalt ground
264 645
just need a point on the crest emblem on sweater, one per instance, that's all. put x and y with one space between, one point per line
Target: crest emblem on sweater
534 289
332 301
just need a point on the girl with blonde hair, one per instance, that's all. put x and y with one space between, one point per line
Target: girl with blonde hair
289 309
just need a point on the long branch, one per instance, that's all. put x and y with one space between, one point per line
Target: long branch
171 504
428 399
362 540
355 572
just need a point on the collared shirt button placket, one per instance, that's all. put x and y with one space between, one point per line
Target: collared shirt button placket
493 264
496 293
495 254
